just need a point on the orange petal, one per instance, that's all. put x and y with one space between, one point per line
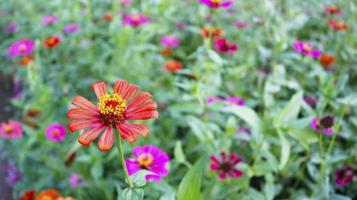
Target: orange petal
79 113
77 125
126 133
87 137
120 86
139 100
100 89
84 103
106 140
143 115
125 90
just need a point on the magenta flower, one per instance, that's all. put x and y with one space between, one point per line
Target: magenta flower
235 101
13 176
310 100
126 2
11 129
225 166
216 3
22 47
135 20
151 158
306 49
75 180
170 41
344 175
325 124
56 132
214 99
49 20
11 27
71 28
222 45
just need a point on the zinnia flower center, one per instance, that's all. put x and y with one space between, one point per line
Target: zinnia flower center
56 133
226 166
216 1
307 47
111 109
8 129
22 48
145 160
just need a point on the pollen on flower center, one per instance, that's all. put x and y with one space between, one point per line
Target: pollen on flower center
8 129
216 1
22 48
307 47
111 109
145 160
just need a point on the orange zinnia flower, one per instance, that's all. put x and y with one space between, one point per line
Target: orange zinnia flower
326 60
108 17
337 25
29 195
173 66
50 194
112 110
166 52
52 42
26 60
211 32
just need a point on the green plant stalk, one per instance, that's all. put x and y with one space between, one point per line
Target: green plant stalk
336 131
121 158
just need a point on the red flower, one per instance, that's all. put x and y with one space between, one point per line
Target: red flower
226 166
29 195
52 42
173 66
222 45
336 25
112 110
166 52
50 194
26 60
108 17
333 10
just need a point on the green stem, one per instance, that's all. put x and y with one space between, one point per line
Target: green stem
121 158
336 131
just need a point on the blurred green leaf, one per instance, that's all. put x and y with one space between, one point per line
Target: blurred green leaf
290 111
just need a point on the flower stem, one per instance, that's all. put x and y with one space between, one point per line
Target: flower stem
121 158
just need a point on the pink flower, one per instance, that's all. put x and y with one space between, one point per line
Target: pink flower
135 20
75 180
325 124
226 165
235 101
216 3
222 45
241 25
22 47
56 132
11 129
306 49
49 20
151 158
126 2
71 28
344 175
170 41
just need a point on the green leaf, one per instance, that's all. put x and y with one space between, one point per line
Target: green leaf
290 111
215 57
178 152
285 150
246 114
139 178
190 185
131 194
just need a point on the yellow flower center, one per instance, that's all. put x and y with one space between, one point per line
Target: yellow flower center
112 108
22 48
56 133
216 1
8 129
307 47
145 160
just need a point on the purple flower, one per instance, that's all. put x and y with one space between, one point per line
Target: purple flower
75 180
216 3
11 27
222 45
17 89
235 101
264 71
214 99
241 25
135 20
181 25
170 41
225 166
306 49
56 132
310 100
325 124
70 28
22 47
344 175
151 158
244 130
13 176
49 20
